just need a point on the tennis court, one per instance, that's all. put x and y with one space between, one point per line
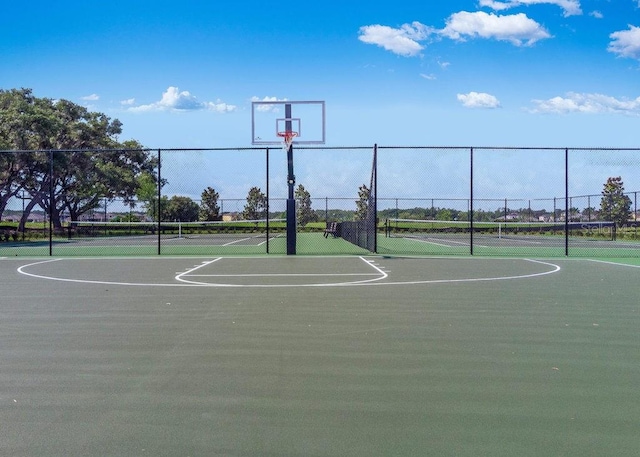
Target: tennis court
319 355
521 239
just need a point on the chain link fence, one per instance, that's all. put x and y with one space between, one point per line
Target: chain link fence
410 201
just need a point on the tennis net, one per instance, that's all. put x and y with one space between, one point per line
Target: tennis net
90 229
497 229
363 232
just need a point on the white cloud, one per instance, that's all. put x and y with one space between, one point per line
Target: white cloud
496 6
219 106
265 108
91 98
570 7
174 100
430 77
403 41
517 29
596 14
479 100
128 102
626 43
587 103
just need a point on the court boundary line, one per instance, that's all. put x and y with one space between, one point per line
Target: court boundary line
369 282
556 269
462 243
607 262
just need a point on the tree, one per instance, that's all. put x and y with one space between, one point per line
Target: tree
81 180
256 205
362 204
574 214
11 177
147 193
182 209
589 213
209 208
304 212
444 215
615 205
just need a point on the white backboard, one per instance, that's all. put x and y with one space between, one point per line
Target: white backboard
307 118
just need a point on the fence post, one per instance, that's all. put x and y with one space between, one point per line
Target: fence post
267 203
506 203
566 202
635 214
326 211
375 198
159 212
471 202
52 202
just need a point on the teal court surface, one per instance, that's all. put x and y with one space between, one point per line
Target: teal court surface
319 356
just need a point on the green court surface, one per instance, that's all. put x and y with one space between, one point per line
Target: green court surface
319 356
314 243
224 244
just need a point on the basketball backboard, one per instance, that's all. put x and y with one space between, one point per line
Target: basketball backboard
271 118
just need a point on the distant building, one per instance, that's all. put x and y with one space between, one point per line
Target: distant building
228 217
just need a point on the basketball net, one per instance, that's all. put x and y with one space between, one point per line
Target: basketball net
287 139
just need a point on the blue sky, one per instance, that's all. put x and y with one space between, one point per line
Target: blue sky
458 72
470 72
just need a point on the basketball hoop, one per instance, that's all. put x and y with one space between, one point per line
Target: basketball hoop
287 139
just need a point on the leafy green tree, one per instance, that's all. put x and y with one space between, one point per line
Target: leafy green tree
444 215
11 177
362 204
80 180
256 205
304 212
182 209
209 208
615 205
574 214
126 218
147 193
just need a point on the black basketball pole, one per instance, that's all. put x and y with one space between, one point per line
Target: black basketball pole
291 181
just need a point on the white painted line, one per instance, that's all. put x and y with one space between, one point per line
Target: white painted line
236 241
379 275
443 241
555 269
265 241
517 240
429 241
188 272
285 275
372 282
613 263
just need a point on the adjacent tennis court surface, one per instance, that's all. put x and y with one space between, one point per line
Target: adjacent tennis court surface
319 356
